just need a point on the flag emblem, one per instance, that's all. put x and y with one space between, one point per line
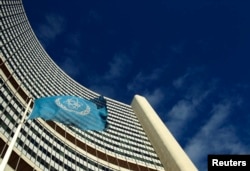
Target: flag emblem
73 104
72 111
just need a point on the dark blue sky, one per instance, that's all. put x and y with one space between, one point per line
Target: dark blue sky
190 59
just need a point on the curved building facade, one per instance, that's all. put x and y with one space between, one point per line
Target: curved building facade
26 70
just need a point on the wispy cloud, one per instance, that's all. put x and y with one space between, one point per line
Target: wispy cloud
70 67
155 97
73 55
215 137
74 39
53 26
184 110
204 110
94 16
146 85
141 80
179 115
181 81
177 83
118 67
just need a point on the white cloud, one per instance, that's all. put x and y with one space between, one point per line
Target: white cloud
142 79
54 25
180 81
215 137
155 97
190 72
179 115
70 67
186 109
118 67
106 83
75 40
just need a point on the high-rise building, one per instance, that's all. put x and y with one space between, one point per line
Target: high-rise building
136 138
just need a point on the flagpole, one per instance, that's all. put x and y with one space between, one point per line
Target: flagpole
13 141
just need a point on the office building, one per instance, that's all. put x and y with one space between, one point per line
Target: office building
136 138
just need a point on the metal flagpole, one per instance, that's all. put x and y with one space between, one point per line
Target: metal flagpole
13 141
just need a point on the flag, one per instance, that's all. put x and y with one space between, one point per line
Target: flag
72 111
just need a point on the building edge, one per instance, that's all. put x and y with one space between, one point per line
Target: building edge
168 149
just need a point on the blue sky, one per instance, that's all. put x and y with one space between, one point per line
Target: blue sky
190 59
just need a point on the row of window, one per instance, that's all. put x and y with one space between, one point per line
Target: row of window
19 27
12 46
132 124
37 142
8 23
13 18
13 9
59 142
132 151
65 151
10 2
128 149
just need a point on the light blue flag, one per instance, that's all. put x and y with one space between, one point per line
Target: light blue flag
72 111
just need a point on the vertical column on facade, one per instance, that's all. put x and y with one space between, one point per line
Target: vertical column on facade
113 148
169 151
56 146
143 151
36 139
85 148
62 150
96 154
75 150
64 146
130 148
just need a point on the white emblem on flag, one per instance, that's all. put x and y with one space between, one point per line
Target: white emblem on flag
75 105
